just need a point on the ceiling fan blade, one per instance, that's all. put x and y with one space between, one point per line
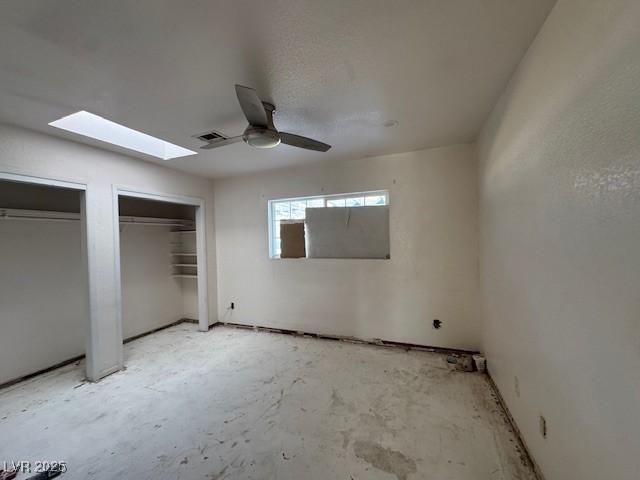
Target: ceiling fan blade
252 106
221 143
303 142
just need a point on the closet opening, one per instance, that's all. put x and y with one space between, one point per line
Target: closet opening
162 263
43 278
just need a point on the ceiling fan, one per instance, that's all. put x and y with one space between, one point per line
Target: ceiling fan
260 133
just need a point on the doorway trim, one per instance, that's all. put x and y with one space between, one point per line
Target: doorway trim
201 245
50 182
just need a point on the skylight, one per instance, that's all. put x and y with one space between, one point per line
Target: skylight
90 125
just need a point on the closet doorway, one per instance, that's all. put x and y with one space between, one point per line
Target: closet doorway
44 296
161 261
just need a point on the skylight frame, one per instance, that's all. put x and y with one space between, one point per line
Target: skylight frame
94 126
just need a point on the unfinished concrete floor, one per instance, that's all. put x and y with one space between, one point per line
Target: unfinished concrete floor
239 404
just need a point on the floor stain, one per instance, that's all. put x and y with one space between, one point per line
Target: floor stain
219 475
279 401
346 437
100 417
337 402
377 420
385 459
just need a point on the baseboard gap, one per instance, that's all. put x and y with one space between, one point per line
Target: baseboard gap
514 426
340 338
29 376
155 330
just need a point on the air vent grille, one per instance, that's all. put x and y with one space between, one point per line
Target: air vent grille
211 136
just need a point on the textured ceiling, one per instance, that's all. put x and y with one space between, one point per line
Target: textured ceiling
338 71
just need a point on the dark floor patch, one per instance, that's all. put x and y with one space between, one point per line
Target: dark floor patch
385 459
219 475
346 437
337 402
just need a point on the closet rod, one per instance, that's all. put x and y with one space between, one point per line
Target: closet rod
161 222
20 214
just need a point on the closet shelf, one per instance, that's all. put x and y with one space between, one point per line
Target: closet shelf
184 254
183 231
47 215
160 222
22 214
184 265
182 275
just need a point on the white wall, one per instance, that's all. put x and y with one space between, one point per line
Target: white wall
42 299
43 311
30 153
432 272
560 238
151 296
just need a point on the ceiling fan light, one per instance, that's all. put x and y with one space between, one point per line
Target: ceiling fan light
261 137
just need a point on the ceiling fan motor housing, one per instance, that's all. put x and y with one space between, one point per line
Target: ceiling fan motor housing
260 137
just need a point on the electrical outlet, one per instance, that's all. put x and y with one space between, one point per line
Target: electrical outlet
437 324
516 386
543 426
233 305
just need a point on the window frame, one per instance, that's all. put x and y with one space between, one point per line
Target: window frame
334 196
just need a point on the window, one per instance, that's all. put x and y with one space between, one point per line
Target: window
295 209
